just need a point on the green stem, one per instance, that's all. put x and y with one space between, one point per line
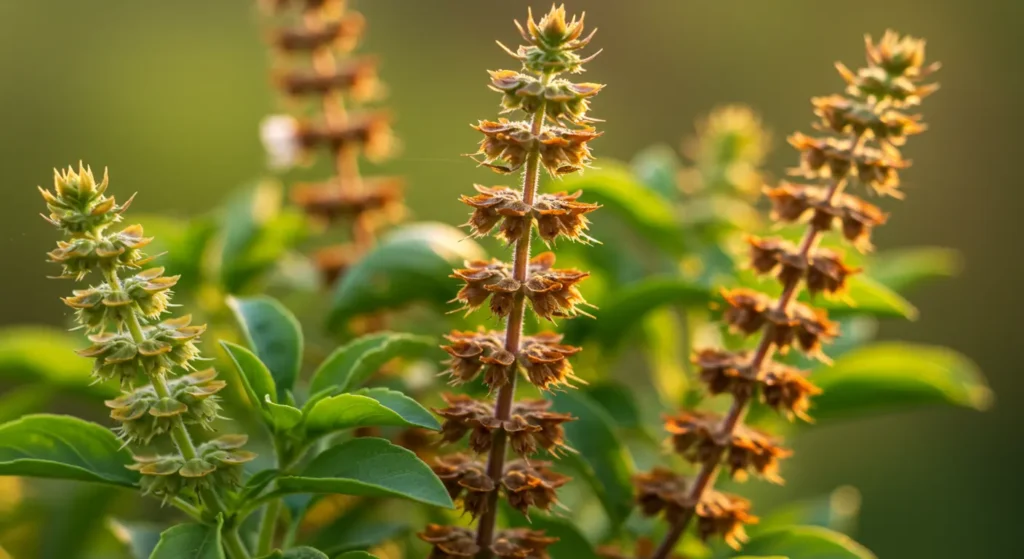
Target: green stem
234 545
188 508
268 525
268 522
179 433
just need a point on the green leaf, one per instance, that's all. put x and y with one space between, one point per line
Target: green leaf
182 245
47 356
571 542
370 407
256 233
351 532
629 305
357 555
866 296
837 511
369 467
614 187
657 168
350 365
806 542
24 400
140 538
904 269
257 483
256 378
666 356
64 447
896 376
282 416
600 456
297 553
411 264
273 332
195 541
617 400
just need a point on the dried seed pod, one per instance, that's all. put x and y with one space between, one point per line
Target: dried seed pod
873 126
522 543
788 391
725 516
546 360
450 542
555 136
660 490
696 438
531 484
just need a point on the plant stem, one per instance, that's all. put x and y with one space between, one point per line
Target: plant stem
188 508
233 543
268 524
765 348
513 338
179 433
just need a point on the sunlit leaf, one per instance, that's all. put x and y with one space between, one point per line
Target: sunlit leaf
625 309
866 296
600 456
904 269
350 365
646 212
47 356
367 408
64 447
666 358
256 233
274 334
256 377
657 168
806 542
411 264
282 416
369 467
897 376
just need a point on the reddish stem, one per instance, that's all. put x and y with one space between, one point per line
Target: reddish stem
709 470
513 338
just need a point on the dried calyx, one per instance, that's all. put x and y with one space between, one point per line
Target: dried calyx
555 137
315 63
863 131
133 342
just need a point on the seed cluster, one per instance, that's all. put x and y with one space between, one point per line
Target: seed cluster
556 138
315 63
863 132
133 341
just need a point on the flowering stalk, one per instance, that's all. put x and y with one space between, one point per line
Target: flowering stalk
867 126
130 340
555 137
326 31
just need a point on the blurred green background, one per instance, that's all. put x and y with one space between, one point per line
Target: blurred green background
169 96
